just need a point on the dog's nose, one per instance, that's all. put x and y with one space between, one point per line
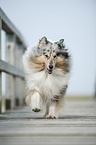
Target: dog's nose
50 66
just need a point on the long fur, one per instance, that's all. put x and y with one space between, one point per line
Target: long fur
38 79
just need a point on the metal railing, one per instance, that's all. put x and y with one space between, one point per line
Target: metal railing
12 66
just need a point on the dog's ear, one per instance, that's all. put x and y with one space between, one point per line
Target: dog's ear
43 41
60 43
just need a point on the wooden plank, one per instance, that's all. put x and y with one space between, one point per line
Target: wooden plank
8 68
48 140
8 26
76 126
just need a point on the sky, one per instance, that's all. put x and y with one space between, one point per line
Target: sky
73 20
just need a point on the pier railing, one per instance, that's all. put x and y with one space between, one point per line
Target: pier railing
12 66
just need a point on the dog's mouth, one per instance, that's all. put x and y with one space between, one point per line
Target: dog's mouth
49 71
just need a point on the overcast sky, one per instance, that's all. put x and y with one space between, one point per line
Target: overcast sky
73 20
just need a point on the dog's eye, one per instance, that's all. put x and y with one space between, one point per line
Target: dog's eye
46 56
54 56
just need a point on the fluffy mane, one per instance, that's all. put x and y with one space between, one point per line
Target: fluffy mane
39 80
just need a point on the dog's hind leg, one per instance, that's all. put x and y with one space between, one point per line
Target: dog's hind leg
59 105
55 108
47 110
52 108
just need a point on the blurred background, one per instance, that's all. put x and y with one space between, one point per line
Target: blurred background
73 20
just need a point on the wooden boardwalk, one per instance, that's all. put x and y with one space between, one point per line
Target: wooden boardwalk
76 126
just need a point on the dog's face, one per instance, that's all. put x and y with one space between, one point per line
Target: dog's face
50 56
53 56
50 60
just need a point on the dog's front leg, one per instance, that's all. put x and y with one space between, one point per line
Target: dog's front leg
34 101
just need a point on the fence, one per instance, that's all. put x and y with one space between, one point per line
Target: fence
12 66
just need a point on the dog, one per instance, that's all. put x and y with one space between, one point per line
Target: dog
47 69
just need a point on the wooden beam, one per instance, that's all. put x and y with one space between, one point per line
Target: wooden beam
9 27
0 71
8 68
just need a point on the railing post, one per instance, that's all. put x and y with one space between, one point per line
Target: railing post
14 74
10 80
23 81
0 72
95 88
19 80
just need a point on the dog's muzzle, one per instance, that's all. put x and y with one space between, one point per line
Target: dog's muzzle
50 69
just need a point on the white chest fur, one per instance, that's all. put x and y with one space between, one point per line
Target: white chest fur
48 85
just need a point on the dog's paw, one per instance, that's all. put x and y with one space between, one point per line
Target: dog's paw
50 117
36 109
46 114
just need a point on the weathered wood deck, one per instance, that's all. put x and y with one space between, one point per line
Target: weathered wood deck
76 126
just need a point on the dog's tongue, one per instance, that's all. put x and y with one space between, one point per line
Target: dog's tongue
49 71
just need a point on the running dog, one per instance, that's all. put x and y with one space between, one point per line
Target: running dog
47 68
